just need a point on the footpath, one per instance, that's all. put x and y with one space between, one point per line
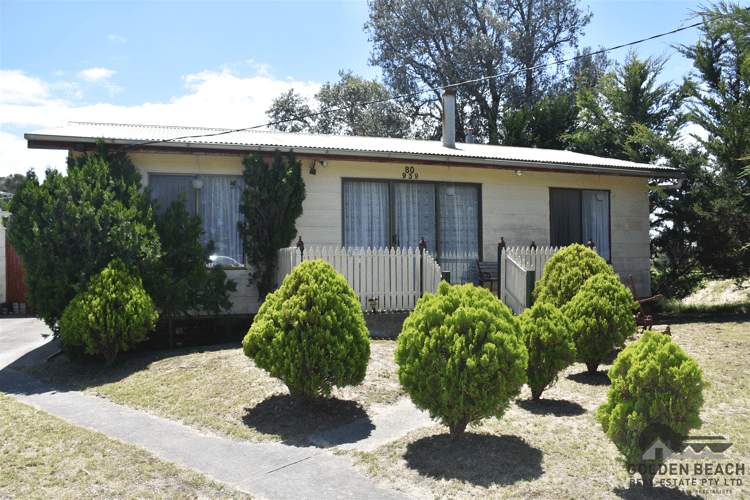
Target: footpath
264 470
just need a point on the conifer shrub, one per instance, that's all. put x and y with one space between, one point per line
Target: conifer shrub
311 333
461 356
112 314
547 334
656 393
566 272
601 314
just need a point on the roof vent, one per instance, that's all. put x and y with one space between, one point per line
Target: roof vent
449 118
470 136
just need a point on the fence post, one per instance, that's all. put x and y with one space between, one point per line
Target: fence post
500 248
530 282
422 248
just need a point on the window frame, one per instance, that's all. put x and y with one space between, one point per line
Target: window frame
580 214
392 208
196 202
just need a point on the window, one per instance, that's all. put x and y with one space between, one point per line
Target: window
383 214
577 215
218 204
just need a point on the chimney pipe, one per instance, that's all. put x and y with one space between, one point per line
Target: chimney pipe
449 118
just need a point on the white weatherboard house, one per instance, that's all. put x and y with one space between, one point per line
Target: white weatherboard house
378 192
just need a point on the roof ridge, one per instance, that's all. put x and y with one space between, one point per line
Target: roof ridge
144 125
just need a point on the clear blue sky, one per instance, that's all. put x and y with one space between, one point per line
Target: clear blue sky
216 64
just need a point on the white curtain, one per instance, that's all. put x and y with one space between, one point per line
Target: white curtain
595 220
366 209
415 214
166 188
218 205
459 231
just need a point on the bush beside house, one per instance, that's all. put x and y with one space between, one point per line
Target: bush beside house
111 315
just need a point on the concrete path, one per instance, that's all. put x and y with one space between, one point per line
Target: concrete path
266 470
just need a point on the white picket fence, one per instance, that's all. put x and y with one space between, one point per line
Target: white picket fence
516 265
389 275
461 265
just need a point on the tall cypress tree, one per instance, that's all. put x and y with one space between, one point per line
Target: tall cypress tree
271 203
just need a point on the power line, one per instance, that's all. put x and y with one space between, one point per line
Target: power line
424 91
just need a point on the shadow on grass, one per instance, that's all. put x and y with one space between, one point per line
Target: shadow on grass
638 492
480 459
92 371
662 319
598 378
282 416
556 407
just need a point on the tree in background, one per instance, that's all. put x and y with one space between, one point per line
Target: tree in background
546 124
9 183
271 203
626 98
719 103
416 51
336 110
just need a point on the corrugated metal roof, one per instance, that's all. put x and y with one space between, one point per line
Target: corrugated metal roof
264 140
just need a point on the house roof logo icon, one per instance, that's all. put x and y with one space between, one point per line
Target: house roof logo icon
660 442
658 451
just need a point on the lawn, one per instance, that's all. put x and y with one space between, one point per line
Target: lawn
45 457
550 449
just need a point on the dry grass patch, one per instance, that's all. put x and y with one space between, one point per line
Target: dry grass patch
555 448
45 457
221 391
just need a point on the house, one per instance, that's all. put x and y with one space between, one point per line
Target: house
380 192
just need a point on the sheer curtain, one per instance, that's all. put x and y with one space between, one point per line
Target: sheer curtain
415 214
366 209
595 220
218 204
166 188
459 231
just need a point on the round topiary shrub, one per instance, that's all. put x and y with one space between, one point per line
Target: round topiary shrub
461 356
656 393
311 333
112 314
601 315
548 338
566 272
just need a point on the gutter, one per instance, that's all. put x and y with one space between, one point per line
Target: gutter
67 142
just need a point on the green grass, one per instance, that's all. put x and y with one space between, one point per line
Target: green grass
45 457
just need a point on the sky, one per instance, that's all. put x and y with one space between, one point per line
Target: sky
220 64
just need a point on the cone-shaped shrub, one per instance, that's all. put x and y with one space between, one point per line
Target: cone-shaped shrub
112 314
461 356
566 272
656 393
311 333
601 315
548 337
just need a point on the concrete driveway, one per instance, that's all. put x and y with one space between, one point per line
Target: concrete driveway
21 341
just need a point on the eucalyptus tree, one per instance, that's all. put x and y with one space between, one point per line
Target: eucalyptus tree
337 109
426 44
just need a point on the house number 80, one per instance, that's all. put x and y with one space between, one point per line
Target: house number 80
409 173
